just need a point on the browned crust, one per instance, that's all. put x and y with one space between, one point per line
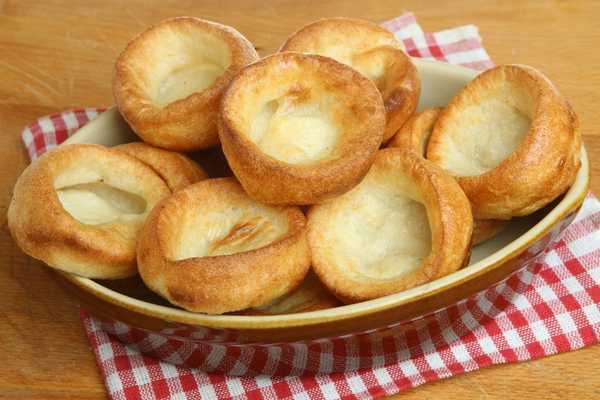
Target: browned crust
186 124
311 295
312 32
272 181
414 134
44 230
543 166
485 229
175 169
400 86
450 220
400 90
219 284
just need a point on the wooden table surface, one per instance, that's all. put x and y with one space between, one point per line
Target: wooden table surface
59 54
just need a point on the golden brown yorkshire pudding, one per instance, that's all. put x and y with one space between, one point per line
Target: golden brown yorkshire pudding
177 170
485 229
405 224
511 140
415 133
414 136
373 51
169 80
297 128
210 248
79 209
311 295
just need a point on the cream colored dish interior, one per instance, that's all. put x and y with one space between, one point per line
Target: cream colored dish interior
488 129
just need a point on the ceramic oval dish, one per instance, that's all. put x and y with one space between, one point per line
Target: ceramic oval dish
278 344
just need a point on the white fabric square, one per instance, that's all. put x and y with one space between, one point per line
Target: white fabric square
409 368
140 373
487 345
566 323
301 396
546 293
46 124
584 245
356 384
512 338
540 332
465 56
435 361
329 391
572 284
456 34
70 120
27 137
592 312
168 370
106 351
234 386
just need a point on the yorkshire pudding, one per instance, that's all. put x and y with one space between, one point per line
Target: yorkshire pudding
415 133
511 140
169 80
311 295
413 136
373 51
297 129
177 170
79 209
485 229
210 248
405 224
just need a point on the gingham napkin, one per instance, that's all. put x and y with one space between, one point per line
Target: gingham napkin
550 307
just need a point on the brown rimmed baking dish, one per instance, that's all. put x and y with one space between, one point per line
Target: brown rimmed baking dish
141 320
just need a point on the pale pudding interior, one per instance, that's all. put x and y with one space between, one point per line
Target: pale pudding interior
296 110
95 203
295 129
487 129
180 62
187 79
225 228
382 228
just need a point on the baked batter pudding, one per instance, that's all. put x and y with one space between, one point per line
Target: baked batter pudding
297 129
374 52
415 133
79 209
169 80
311 295
175 169
511 140
405 224
210 248
414 136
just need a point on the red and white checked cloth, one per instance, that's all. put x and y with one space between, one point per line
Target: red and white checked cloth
552 306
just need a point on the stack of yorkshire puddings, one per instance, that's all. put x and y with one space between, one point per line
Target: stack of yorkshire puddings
302 127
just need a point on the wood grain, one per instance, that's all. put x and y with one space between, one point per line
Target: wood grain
59 54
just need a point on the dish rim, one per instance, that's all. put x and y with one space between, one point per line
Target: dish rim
572 199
